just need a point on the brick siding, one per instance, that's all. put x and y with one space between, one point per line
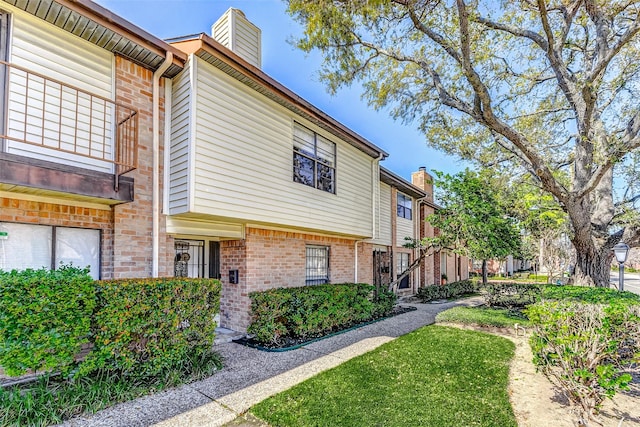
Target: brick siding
269 259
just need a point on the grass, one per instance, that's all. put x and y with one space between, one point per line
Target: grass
482 316
435 376
52 400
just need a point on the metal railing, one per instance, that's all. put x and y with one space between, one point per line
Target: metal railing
44 112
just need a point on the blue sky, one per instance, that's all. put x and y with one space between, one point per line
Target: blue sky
295 69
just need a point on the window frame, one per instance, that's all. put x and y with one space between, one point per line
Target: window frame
402 210
318 164
53 242
311 280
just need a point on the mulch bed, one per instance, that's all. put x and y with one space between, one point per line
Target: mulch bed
292 343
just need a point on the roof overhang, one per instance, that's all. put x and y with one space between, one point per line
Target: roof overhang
401 184
103 28
230 63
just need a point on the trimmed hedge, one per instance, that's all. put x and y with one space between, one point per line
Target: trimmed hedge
312 311
450 290
511 295
135 327
144 326
45 318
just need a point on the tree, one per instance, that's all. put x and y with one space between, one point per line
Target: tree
544 225
473 220
534 87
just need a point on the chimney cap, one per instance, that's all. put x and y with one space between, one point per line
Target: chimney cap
422 168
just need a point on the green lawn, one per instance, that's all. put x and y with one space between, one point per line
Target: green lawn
482 316
435 376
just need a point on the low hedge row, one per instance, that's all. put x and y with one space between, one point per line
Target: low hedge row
45 318
450 290
312 311
520 295
511 295
137 327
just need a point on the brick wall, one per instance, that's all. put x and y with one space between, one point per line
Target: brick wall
269 259
132 229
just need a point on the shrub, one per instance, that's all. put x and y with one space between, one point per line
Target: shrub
313 311
587 294
44 318
450 290
511 295
580 347
145 326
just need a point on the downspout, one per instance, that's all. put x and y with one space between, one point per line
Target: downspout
155 198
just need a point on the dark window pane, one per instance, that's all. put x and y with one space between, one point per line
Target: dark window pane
303 169
325 178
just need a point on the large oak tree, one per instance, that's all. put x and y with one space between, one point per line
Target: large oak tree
544 87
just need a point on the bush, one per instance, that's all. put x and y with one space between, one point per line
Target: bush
511 295
587 294
312 311
450 290
145 326
581 347
44 318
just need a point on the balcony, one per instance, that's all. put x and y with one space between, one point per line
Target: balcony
60 138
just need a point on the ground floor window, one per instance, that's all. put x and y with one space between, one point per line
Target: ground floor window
317 265
402 266
41 246
443 265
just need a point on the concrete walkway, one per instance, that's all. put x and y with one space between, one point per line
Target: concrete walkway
250 376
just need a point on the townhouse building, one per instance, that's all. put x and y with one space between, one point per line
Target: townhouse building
145 158
81 118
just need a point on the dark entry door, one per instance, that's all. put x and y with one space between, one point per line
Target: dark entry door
381 268
214 260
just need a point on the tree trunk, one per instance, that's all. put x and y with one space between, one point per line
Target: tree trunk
484 272
593 268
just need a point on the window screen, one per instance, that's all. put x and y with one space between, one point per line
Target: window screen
41 246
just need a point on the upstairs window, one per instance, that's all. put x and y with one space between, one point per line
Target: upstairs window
404 206
314 160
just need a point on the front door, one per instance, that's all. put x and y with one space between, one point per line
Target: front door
214 260
189 258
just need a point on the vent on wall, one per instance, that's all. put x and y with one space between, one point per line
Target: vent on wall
234 31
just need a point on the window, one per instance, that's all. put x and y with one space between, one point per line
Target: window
36 246
402 266
314 160
317 265
404 206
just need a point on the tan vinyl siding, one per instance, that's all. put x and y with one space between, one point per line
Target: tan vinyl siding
244 168
56 54
247 42
384 215
180 142
405 229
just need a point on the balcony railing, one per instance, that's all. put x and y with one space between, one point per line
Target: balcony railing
66 124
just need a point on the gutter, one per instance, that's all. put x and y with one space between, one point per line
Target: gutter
155 173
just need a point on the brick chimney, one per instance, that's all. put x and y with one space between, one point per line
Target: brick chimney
234 31
424 181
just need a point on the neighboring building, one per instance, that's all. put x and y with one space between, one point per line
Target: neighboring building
144 159
76 139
